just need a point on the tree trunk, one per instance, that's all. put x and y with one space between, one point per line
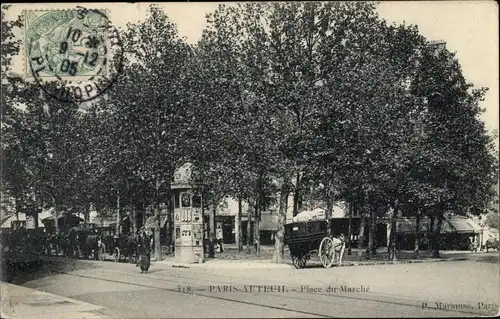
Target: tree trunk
437 235
133 220
156 240
393 237
211 232
431 232
349 229
86 213
389 238
239 239
168 217
17 205
102 218
257 231
56 215
361 236
417 236
279 245
38 210
249 232
371 234
374 231
296 195
171 222
329 208
118 217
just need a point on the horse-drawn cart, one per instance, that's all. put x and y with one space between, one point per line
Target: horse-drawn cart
84 242
306 239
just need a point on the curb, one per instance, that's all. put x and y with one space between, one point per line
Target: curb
351 264
411 261
231 266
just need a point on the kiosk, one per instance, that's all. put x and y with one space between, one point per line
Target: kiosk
188 218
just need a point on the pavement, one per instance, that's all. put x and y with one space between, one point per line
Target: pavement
21 302
231 264
247 263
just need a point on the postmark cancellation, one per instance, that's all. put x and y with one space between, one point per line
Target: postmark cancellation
78 49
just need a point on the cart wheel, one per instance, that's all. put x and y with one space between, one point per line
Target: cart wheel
116 255
102 252
326 252
299 261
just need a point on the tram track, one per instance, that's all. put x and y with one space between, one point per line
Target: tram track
174 290
325 299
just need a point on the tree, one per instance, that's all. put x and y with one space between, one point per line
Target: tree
10 114
457 151
493 220
228 98
149 105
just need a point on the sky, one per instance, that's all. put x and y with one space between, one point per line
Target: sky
470 28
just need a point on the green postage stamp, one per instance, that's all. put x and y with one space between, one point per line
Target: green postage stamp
71 46
73 43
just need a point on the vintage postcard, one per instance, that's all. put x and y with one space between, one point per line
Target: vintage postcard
250 159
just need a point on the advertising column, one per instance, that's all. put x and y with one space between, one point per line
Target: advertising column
188 234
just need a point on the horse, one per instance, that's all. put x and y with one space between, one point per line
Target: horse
121 246
338 248
491 243
91 246
58 243
130 247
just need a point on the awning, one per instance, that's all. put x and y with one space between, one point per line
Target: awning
104 221
62 216
463 225
30 222
7 221
453 224
269 222
493 230
46 214
408 225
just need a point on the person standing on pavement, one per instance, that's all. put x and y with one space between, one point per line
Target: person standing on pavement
144 251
